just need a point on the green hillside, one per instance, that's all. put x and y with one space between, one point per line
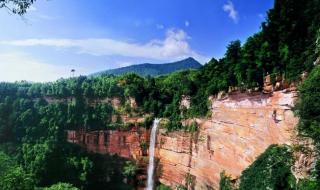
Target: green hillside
154 69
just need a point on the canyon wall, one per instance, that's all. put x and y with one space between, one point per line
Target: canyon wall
241 127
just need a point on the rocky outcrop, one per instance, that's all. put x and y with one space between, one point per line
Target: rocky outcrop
185 102
132 102
241 127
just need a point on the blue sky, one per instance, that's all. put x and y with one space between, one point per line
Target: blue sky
58 35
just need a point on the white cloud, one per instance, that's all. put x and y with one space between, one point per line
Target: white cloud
20 66
230 9
187 23
175 46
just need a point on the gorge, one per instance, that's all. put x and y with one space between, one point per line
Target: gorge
242 125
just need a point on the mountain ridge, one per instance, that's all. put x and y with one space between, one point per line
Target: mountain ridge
151 69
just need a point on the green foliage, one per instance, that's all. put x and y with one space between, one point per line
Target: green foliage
181 187
143 145
225 182
308 106
308 111
163 187
130 169
12 176
61 186
33 131
82 165
271 170
148 121
16 179
308 184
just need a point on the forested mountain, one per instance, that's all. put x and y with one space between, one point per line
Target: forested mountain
33 149
154 69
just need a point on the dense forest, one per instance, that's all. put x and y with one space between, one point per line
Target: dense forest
33 147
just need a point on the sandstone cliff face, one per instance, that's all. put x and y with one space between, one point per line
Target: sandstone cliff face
241 127
124 143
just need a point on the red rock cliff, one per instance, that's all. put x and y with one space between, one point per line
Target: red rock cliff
125 143
241 127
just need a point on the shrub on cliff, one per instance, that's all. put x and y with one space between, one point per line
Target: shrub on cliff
130 169
13 176
308 184
271 170
61 186
308 106
225 182
192 128
163 187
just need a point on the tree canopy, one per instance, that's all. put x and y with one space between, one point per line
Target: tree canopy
19 7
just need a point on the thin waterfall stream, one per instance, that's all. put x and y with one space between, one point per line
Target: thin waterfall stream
153 138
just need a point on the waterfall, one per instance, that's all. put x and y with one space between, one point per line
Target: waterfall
153 138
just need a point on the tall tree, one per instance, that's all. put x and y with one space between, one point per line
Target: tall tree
232 62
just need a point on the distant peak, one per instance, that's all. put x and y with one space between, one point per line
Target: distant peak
190 58
155 69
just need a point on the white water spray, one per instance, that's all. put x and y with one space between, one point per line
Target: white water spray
153 138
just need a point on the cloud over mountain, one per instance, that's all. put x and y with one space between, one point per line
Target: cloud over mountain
174 46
